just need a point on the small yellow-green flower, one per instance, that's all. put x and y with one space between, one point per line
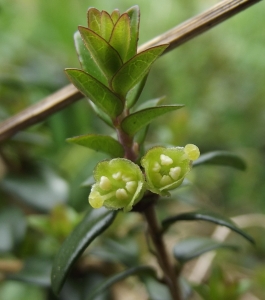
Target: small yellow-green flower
119 184
165 168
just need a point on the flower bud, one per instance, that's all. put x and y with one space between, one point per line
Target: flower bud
119 184
165 168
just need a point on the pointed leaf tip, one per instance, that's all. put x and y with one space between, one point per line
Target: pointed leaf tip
96 92
222 158
101 143
206 216
193 247
140 119
102 52
93 224
135 69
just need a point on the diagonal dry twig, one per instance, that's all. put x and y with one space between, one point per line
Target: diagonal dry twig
175 37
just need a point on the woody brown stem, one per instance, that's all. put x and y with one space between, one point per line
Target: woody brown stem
154 230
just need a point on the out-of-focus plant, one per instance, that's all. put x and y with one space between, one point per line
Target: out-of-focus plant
134 180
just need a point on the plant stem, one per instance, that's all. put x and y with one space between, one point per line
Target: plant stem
162 256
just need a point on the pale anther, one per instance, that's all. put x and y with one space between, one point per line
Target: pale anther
126 178
166 180
175 172
156 167
166 160
105 183
95 200
116 176
121 194
131 186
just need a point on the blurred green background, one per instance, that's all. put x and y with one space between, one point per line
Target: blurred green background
219 76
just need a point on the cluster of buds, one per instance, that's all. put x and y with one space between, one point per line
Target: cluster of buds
120 183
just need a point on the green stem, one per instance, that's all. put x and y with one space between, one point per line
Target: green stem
154 229
125 139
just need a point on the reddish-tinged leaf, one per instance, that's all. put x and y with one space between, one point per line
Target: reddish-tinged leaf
135 69
106 25
104 55
115 15
121 36
134 15
93 19
96 92
87 62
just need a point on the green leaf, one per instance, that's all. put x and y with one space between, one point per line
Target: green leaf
222 158
120 276
36 271
156 289
87 62
135 69
193 247
139 119
101 143
134 94
115 15
37 187
151 103
93 224
103 116
203 216
12 228
102 52
134 15
96 92
106 25
120 37
93 19
125 251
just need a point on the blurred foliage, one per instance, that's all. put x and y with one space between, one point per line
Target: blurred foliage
219 76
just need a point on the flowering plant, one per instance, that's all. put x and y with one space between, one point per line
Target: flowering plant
112 77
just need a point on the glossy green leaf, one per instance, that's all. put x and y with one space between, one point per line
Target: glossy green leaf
139 119
88 64
93 19
134 94
102 52
120 276
120 37
36 271
115 15
206 216
12 228
125 250
93 224
193 247
101 143
96 92
134 15
103 116
40 187
106 25
156 290
222 158
151 103
135 69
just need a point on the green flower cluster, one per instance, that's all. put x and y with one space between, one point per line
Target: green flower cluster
120 183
